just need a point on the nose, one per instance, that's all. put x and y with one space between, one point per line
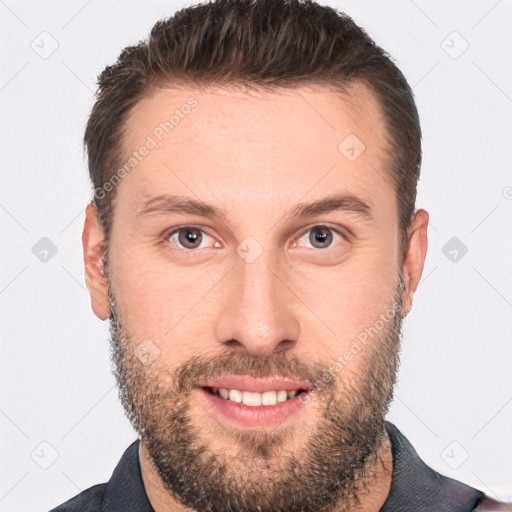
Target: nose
259 310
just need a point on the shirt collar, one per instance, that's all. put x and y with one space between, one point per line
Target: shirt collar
416 486
125 489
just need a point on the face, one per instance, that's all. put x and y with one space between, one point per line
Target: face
252 256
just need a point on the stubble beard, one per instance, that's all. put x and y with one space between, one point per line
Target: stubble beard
258 473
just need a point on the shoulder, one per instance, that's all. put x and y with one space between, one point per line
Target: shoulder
124 492
487 504
416 486
89 500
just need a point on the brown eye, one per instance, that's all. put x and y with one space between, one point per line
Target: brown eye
190 238
187 237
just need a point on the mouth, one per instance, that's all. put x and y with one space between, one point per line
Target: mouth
246 402
254 398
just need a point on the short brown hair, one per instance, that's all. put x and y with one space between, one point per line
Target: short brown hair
266 44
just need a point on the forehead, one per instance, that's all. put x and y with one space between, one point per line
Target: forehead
236 147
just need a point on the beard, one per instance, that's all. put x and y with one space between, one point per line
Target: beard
327 470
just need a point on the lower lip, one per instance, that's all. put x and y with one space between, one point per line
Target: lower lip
247 416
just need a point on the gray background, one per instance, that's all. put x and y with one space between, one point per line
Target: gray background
454 399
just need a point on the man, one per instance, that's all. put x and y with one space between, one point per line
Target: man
254 242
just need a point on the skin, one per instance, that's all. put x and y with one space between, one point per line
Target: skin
256 155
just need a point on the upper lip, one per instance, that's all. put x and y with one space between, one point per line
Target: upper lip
256 385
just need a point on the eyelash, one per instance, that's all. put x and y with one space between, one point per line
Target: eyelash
194 252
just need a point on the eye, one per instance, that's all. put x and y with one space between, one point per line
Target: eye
193 238
321 237
189 238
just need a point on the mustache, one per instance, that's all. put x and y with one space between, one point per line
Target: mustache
279 364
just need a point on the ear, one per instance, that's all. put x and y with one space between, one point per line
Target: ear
94 248
414 257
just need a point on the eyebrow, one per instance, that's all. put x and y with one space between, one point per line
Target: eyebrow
169 204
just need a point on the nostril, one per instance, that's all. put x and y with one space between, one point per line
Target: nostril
233 344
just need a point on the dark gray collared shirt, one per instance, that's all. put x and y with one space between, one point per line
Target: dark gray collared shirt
415 487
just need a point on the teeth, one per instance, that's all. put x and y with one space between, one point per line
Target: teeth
282 395
253 399
249 398
235 395
269 398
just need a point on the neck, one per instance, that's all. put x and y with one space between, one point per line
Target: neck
378 483
371 500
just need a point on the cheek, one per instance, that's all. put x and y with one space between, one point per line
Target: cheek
345 300
165 303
